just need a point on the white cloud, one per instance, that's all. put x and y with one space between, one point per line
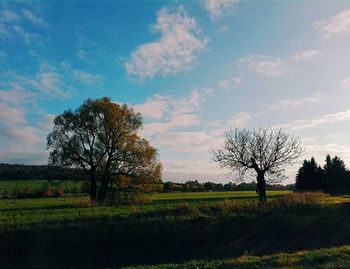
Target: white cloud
13 26
307 54
157 106
220 8
191 166
323 120
239 120
320 151
230 84
87 78
34 19
174 52
12 114
167 112
191 141
338 25
285 104
176 121
264 65
217 128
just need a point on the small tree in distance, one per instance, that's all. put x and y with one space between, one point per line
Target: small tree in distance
265 151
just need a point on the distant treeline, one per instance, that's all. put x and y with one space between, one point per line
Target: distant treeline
45 172
31 172
195 186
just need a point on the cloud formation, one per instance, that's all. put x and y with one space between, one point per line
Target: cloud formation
220 8
166 113
174 52
264 65
332 118
307 55
292 103
339 25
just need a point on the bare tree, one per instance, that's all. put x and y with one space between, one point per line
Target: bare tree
265 151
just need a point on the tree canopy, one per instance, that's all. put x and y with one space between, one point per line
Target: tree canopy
101 138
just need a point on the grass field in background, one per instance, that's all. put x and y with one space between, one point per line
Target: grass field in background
72 207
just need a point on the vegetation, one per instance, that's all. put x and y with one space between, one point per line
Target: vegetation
333 177
33 172
265 151
18 189
100 137
72 232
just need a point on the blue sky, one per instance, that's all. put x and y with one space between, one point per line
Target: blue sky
192 68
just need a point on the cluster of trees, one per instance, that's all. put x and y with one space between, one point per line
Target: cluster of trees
195 186
32 172
333 177
100 137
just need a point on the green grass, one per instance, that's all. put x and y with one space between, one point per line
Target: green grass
68 208
212 195
338 257
206 229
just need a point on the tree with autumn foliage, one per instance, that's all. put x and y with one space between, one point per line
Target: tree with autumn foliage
101 138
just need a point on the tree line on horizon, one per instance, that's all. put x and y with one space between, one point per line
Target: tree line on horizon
45 172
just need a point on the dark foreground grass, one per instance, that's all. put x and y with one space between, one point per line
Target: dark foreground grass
176 234
337 257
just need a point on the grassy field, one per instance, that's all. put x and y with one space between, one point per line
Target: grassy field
175 230
72 207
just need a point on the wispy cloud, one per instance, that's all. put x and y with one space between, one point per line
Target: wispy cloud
286 104
264 65
220 8
342 116
165 113
34 18
13 25
230 83
88 78
174 52
307 54
339 25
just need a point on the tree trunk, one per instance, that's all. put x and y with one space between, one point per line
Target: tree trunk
261 188
102 192
93 187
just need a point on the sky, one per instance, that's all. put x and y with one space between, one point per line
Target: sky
192 68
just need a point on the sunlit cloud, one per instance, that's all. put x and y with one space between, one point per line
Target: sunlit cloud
174 52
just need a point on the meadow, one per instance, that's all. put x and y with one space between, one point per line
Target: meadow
176 230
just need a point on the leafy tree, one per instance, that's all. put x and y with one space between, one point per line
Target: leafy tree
310 176
101 137
265 151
